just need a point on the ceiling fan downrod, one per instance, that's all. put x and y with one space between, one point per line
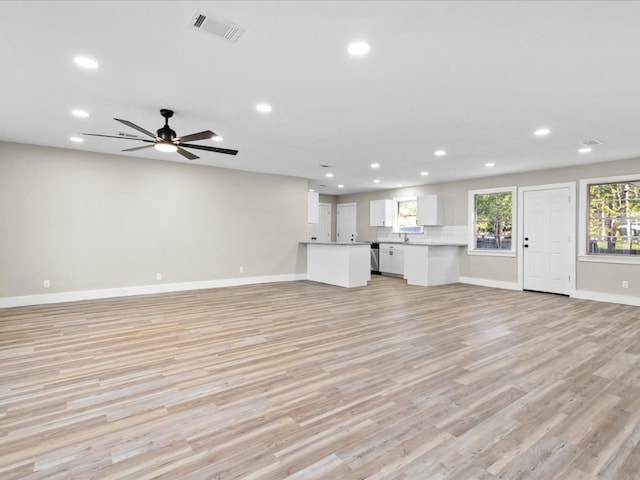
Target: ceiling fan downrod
165 133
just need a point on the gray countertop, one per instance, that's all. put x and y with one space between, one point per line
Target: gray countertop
434 243
339 244
429 243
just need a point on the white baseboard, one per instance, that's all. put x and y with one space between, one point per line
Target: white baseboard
581 294
606 297
46 298
485 282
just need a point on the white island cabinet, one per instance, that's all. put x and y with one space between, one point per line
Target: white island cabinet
428 265
343 264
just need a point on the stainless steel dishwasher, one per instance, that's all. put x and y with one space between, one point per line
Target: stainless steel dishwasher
375 258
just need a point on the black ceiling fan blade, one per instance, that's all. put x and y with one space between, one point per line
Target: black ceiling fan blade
228 151
137 148
115 136
135 127
207 134
186 154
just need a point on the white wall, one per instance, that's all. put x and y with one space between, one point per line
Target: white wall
89 221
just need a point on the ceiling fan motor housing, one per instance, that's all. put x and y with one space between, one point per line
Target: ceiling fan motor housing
166 134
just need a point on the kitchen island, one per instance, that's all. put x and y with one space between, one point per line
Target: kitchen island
430 264
342 264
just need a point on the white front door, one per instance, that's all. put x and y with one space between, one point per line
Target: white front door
547 239
346 223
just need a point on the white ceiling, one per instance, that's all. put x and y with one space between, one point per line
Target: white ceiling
473 78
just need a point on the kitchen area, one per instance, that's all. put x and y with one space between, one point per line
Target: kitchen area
422 250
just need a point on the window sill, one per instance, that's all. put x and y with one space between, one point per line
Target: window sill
626 260
491 253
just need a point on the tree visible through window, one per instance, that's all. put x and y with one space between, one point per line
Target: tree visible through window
407 215
492 219
614 218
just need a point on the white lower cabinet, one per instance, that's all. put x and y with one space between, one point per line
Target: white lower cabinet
392 259
432 265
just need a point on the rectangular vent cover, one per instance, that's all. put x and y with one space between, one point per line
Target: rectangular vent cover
216 26
591 143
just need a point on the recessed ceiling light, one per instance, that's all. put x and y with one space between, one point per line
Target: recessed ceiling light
376 181
375 165
263 108
329 174
399 185
490 164
86 62
541 132
358 48
311 190
584 150
80 113
217 138
439 153
77 139
424 174
340 186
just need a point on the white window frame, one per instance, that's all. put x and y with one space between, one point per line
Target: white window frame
396 223
471 247
583 214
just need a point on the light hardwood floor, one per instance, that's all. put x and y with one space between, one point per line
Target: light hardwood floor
309 381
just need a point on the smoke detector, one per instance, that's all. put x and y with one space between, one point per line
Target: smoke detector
218 27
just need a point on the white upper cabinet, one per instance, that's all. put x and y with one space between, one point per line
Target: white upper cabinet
430 210
381 213
313 200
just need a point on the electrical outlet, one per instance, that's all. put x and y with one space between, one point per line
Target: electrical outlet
625 284
241 269
158 276
47 284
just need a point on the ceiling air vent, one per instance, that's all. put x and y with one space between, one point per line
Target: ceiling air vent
216 26
591 143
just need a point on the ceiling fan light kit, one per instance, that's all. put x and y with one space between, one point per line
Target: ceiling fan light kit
166 140
166 147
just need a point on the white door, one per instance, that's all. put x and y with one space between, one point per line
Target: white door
321 231
324 222
346 222
547 240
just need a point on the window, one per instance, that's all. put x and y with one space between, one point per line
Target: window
611 210
491 220
406 218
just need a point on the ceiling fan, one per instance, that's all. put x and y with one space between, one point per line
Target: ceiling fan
166 140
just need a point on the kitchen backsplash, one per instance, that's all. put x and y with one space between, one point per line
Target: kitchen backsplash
446 233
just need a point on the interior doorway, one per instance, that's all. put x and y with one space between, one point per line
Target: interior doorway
346 223
321 231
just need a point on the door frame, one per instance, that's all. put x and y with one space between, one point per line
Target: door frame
572 230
